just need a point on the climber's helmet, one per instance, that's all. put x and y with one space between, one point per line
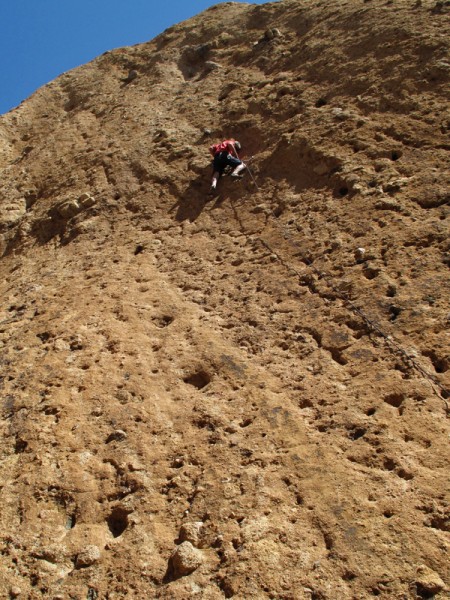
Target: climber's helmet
237 145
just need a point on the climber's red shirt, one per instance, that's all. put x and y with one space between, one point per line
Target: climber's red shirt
225 146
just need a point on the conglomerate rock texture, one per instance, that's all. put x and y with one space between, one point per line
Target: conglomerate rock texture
242 396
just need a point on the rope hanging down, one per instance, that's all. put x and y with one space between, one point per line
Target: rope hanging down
395 346
408 359
247 167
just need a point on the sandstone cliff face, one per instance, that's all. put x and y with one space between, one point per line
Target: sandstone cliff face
242 396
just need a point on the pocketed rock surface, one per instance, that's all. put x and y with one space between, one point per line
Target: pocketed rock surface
261 375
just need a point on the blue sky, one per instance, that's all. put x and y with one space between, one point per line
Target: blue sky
40 39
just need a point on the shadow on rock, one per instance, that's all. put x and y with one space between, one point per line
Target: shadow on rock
193 200
197 197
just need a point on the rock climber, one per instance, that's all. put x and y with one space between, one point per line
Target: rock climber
226 154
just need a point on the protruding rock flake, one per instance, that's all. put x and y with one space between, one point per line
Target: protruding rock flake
428 582
88 556
241 393
193 533
186 559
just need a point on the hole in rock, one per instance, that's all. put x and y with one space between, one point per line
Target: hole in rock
370 273
357 433
226 586
117 521
305 403
139 248
391 291
394 312
396 154
440 364
343 191
440 522
394 400
163 321
198 380
320 102
277 211
205 422
71 521
328 541
44 336
337 356
405 474
389 464
20 446
423 592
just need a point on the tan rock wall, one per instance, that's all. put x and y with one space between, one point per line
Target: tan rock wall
242 395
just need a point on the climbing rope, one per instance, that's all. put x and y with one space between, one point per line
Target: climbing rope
408 359
250 172
246 166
